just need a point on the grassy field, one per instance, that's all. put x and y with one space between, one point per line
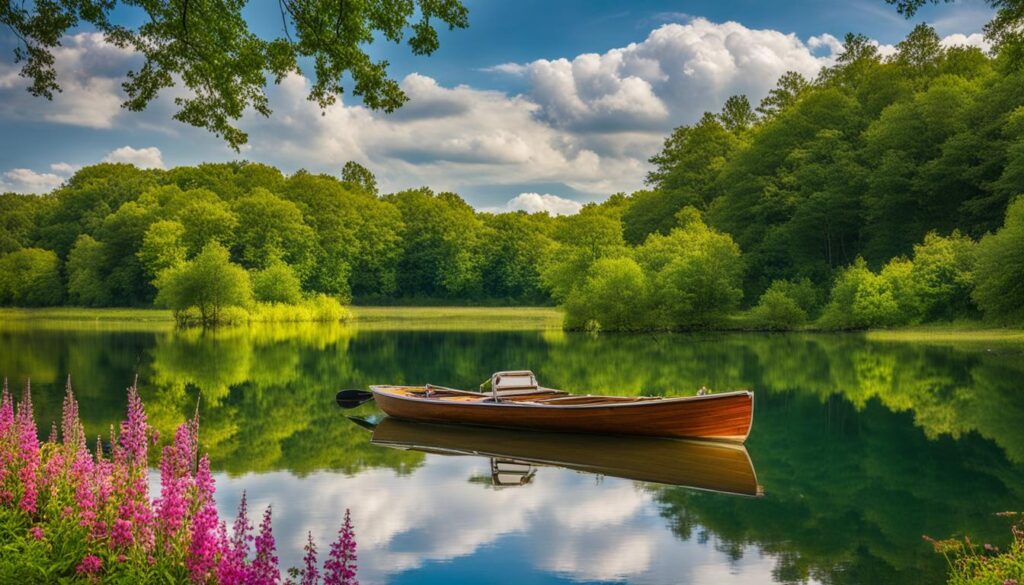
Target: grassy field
458 318
960 332
467 319
370 318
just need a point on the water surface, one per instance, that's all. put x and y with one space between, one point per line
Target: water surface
860 447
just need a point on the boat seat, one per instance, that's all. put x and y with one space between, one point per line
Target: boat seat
514 383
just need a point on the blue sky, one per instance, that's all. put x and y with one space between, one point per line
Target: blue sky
560 100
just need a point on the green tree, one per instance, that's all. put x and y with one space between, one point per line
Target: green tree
209 282
86 271
209 47
271 228
277 283
441 256
696 273
943 274
163 247
30 278
613 296
776 310
514 250
788 89
860 299
999 272
357 177
737 116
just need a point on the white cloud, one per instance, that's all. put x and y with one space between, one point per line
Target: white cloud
672 77
535 203
971 40
589 121
89 71
144 158
28 181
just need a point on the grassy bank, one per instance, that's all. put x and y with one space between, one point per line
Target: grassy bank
458 318
372 318
398 318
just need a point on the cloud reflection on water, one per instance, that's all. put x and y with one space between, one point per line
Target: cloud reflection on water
574 525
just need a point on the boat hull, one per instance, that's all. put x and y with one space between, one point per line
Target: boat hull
723 417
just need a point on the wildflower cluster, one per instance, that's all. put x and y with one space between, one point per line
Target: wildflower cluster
971 564
71 514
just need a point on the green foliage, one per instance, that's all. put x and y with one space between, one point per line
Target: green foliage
277 283
85 270
30 278
776 310
163 247
860 299
943 275
689 278
357 177
208 47
999 272
270 229
614 296
209 282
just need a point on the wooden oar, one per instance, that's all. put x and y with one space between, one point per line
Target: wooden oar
353 398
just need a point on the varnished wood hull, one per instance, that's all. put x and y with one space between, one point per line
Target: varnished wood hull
723 417
705 465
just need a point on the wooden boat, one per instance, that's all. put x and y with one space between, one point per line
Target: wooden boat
517 401
704 465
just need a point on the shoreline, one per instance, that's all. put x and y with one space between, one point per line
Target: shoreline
476 318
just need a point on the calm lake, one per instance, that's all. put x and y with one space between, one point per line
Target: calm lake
859 447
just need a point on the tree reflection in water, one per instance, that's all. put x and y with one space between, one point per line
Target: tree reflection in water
861 446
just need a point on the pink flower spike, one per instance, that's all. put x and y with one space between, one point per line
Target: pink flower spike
264 566
310 573
340 568
37 533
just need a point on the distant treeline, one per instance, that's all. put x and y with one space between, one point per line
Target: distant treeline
878 194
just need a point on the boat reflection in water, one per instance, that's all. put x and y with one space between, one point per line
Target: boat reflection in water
704 465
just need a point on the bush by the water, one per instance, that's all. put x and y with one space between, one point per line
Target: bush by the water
971 564
691 277
71 515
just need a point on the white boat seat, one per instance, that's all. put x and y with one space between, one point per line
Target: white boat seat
513 383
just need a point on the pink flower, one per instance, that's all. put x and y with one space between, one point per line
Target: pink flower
71 429
310 574
232 569
204 548
37 533
264 566
28 446
90 565
340 568
6 410
175 480
134 430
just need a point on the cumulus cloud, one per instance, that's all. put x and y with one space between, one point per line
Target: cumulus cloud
971 40
89 70
589 122
536 203
144 158
671 77
28 181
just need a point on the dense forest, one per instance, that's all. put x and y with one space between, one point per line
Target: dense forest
880 193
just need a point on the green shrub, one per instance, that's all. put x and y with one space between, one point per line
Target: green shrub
209 282
944 275
277 283
87 285
776 310
860 299
30 278
319 308
614 296
807 296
